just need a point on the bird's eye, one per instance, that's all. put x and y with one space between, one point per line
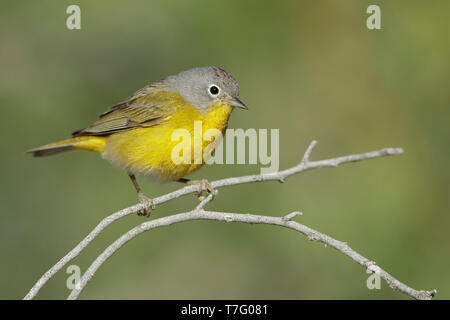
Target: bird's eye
214 90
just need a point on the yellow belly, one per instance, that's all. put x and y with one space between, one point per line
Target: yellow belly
148 151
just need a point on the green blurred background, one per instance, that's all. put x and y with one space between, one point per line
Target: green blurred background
311 69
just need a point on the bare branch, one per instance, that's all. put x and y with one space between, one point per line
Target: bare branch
252 219
79 247
304 165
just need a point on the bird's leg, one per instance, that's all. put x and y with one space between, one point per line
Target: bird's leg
146 201
202 183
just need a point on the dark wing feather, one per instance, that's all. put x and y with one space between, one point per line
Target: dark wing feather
147 107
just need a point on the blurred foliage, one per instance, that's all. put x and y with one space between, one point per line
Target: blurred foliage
310 68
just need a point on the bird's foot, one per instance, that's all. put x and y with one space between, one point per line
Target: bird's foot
202 184
148 205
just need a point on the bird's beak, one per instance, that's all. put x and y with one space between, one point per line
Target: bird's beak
235 102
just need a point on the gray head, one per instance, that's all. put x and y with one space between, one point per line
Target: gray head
203 86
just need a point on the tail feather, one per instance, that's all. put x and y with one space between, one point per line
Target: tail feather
48 151
88 143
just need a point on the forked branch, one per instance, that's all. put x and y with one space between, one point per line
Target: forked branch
200 214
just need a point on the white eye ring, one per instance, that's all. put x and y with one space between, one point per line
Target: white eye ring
213 90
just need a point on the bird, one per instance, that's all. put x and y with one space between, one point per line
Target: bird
137 134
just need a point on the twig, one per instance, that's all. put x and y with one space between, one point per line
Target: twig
207 200
304 165
308 152
292 215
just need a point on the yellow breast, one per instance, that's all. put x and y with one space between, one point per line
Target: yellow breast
148 151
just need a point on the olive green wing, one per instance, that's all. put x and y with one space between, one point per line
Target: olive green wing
147 107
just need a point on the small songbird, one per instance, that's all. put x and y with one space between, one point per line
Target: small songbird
137 134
